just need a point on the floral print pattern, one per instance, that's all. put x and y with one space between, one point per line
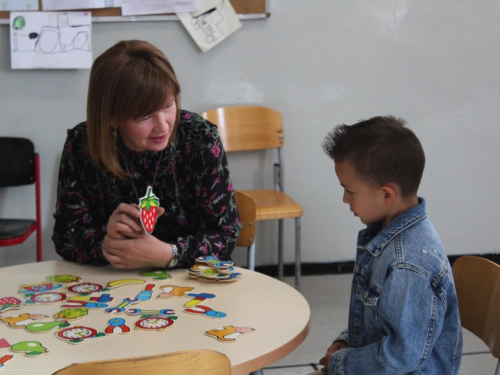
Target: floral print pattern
191 179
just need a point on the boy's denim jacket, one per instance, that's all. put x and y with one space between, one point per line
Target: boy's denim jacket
403 315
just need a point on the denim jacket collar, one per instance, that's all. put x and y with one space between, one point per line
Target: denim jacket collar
379 237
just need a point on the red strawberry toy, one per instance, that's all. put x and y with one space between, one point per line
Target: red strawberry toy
7 303
149 210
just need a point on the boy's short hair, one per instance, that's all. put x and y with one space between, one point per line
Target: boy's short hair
382 150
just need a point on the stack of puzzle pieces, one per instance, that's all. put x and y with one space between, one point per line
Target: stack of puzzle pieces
209 268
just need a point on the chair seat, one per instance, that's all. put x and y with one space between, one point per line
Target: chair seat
272 205
196 361
14 228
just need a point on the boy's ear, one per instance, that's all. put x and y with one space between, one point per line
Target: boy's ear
390 192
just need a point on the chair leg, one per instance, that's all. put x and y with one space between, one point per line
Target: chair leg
497 371
297 253
258 372
38 210
251 256
39 244
280 250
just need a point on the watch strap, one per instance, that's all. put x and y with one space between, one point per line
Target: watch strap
175 257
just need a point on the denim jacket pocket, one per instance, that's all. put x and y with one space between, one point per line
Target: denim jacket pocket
370 298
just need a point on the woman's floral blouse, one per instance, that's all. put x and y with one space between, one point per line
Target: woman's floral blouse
193 184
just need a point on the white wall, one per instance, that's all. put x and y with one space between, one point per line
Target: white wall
322 63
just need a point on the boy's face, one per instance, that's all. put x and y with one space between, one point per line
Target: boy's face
365 200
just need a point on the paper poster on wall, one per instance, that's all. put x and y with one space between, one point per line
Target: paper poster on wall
12 5
50 40
138 7
215 21
49 5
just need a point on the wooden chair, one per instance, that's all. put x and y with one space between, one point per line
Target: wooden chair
247 211
477 281
20 165
206 362
247 128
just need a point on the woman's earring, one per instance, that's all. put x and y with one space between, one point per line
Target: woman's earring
114 132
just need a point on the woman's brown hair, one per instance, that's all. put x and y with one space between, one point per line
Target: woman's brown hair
129 81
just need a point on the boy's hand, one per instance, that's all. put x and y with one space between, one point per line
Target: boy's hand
336 346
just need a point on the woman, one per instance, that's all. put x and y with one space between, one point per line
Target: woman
136 137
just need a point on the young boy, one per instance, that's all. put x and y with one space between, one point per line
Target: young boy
403 315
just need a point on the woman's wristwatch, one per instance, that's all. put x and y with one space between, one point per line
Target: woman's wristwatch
175 257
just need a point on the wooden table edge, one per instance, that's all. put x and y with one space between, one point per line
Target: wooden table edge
272 357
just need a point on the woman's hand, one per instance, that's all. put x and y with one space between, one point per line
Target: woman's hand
127 245
125 222
145 251
336 346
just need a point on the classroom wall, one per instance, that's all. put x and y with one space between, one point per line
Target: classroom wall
321 63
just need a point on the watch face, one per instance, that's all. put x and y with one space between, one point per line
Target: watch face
154 323
76 333
48 297
85 288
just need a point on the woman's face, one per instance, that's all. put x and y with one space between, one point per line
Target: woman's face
151 132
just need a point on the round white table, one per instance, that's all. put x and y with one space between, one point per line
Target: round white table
279 314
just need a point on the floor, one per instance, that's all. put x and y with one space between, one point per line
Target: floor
328 297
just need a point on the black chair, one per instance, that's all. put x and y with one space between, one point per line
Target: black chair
20 165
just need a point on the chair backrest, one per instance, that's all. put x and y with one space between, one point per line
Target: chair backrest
247 128
477 281
17 165
247 211
206 362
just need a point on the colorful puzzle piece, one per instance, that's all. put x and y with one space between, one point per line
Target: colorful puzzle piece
223 278
45 326
155 322
4 359
210 269
205 311
142 296
38 287
198 298
214 262
21 320
78 334
64 279
72 314
212 275
229 333
89 302
117 325
203 271
157 274
121 282
46 297
4 344
10 303
170 291
85 288
29 348
164 312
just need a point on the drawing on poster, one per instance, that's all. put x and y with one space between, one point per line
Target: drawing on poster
50 40
212 24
